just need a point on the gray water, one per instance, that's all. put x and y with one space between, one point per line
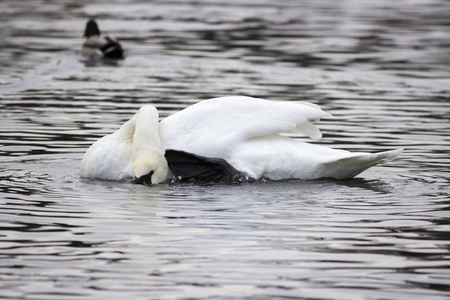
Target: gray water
382 68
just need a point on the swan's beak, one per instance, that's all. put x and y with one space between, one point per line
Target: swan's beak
144 180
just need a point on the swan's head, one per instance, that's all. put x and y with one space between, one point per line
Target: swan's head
150 169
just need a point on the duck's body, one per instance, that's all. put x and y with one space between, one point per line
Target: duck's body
97 45
240 134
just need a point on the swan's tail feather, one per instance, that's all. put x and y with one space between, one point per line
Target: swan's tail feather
351 166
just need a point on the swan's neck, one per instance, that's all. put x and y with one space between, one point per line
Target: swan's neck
146 136
147 154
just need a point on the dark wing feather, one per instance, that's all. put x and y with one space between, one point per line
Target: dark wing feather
112 49
188 167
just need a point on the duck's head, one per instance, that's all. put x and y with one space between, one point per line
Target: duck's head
150 169
91 29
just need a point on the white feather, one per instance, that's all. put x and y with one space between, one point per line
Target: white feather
91 47
111 156
216 126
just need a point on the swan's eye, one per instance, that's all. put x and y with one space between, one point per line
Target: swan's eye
144 180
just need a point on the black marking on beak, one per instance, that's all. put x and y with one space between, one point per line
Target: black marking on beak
144 180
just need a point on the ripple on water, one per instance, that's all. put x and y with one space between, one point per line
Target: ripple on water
380 68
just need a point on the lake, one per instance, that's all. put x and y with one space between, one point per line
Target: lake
381 68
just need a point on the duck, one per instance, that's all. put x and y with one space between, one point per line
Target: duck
97 45
230 138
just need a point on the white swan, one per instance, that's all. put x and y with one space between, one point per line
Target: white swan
225 136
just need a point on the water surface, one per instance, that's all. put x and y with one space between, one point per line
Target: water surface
381 69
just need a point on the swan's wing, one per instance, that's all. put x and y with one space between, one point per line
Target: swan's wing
212 126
